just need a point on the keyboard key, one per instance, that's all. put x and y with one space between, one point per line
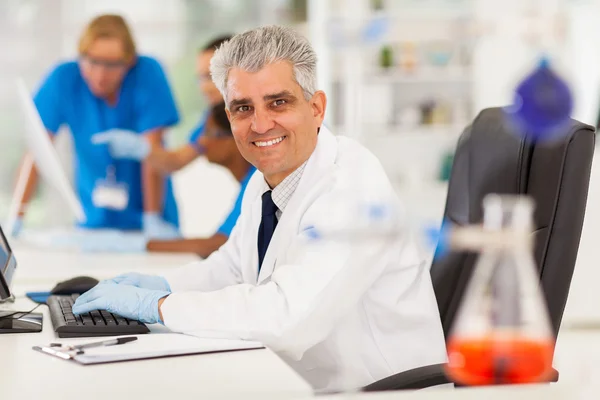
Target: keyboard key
108 317
98 320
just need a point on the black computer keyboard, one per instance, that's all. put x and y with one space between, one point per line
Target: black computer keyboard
96 323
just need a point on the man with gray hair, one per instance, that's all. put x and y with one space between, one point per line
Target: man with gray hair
305 270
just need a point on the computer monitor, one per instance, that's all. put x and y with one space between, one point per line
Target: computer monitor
13 321
46 160
8 265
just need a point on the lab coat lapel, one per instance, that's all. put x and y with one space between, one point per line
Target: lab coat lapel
317 169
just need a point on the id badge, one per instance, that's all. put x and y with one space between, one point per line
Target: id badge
110 194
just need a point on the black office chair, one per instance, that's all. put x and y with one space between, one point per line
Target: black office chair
490 159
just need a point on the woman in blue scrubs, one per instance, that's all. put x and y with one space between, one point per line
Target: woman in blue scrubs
111 88
127 145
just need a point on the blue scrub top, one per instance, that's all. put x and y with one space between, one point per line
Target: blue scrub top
145 103
232 218
198 131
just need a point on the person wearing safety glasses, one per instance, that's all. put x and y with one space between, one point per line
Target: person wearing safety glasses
129 145
111 88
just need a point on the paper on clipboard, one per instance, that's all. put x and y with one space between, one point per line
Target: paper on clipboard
152 346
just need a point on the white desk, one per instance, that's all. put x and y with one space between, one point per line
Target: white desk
27 374
42 266
254 374
523 392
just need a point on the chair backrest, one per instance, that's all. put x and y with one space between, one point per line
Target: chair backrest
491 159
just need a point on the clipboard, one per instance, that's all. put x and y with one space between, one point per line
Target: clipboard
159 345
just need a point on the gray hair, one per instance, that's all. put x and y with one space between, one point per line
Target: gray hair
252 50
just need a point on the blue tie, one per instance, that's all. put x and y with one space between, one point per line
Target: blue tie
268 223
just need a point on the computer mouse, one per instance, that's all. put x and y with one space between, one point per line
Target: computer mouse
79 284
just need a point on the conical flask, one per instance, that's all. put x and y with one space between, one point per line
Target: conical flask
502 332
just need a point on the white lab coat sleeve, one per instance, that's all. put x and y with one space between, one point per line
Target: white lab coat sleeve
302 302
220 269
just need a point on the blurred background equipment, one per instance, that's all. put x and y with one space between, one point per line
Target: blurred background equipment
425 68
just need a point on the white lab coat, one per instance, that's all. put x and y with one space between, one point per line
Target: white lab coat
342 314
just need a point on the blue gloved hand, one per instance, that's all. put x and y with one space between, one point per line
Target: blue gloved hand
156 228
124 300
124 144
151 282
17 227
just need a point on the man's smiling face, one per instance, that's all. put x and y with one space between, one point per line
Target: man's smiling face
274 126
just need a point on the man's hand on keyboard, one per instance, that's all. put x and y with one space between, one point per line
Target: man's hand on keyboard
142 281
125 300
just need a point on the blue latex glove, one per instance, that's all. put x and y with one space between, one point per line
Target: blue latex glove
17 227
157 228
124 300
124 144
151 282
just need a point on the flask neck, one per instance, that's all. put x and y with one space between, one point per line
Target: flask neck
512 213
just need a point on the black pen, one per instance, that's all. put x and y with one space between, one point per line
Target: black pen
111 342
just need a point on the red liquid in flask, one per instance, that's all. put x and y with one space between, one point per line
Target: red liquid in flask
491 361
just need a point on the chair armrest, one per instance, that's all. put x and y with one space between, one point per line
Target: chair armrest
417 378
421 378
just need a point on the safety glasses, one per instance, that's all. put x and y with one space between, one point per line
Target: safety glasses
109 65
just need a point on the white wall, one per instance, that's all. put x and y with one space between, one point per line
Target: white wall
583 54
583 306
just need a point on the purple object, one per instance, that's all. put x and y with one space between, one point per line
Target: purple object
542 105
